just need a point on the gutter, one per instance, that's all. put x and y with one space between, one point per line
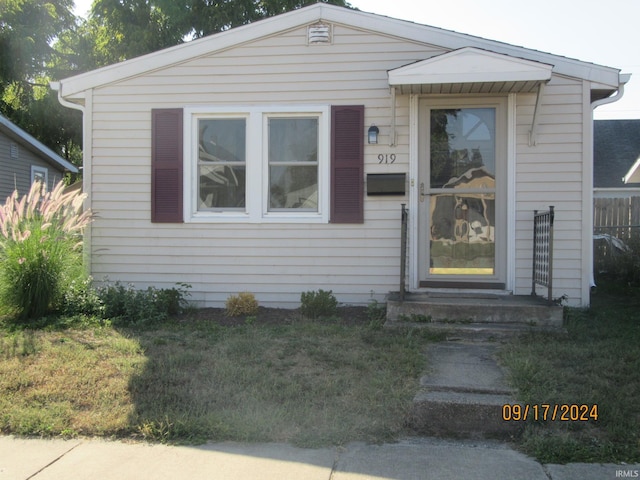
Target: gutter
55 86
623 79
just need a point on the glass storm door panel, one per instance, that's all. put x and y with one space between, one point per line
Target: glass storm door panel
460 165
462 191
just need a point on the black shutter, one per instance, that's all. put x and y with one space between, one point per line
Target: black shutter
347 164
166 165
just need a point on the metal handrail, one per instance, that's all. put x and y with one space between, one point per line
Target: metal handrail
403 249
543 251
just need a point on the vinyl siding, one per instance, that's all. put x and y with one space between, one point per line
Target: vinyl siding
278 261
274 261
550 173
16 173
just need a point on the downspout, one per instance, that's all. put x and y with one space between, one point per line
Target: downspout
622 80
86 260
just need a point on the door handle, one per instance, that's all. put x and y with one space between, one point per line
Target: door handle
422 192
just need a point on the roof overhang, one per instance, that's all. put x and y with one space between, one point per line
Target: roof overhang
470 70
633 175
73 89
16 133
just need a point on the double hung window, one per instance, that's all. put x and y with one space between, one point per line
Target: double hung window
222 162
257 164
293 163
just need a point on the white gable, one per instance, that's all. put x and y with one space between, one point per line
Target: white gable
73 88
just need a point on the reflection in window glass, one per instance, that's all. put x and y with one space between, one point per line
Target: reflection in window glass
462 236
462 142
221 163
293 163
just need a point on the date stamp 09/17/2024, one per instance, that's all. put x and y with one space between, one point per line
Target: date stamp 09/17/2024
571 412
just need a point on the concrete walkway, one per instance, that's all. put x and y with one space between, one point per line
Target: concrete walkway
414 458
462 394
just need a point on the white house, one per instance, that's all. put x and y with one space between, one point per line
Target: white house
242 161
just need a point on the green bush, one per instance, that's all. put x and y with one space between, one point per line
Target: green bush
40 249
318 304
244 303
377 314
81 298
126 305
618 267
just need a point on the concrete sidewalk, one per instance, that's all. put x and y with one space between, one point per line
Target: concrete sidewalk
414 458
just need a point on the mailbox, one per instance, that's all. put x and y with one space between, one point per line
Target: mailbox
386 183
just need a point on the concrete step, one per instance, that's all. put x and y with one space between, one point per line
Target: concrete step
473 308
475 332
463 393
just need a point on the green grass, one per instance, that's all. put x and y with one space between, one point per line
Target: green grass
597 363
307 383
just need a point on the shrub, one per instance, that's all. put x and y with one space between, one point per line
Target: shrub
318 304
244 303
40 248
129 306
377 314
81 298
618 266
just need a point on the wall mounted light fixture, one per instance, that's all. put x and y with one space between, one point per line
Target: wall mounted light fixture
373 134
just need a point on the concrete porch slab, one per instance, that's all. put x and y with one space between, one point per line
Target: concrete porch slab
473 308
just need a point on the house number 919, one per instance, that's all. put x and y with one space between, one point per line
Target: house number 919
387 158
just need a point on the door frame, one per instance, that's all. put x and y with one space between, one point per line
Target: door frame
414 193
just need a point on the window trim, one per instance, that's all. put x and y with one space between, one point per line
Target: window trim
257 187
38 169
195 178
275 213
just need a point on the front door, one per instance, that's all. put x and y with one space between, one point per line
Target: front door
462 190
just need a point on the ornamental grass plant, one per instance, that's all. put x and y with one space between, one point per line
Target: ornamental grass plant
40 248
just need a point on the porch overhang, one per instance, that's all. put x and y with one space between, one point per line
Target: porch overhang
470 70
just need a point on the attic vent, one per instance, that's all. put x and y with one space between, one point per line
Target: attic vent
13 149
319 33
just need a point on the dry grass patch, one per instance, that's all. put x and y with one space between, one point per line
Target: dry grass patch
67 383
304 382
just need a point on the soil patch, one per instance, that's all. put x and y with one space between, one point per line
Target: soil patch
348 315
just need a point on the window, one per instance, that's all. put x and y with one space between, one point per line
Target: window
257 164
39 174
221 164
293 164
287 164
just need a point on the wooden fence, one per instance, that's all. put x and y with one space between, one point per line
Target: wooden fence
616 212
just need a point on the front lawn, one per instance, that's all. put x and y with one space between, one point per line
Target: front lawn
311 383
597 363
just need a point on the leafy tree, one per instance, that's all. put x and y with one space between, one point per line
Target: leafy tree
28 32
124 29
41 40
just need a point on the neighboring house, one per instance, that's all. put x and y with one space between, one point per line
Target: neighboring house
23 160
616 149
247 160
